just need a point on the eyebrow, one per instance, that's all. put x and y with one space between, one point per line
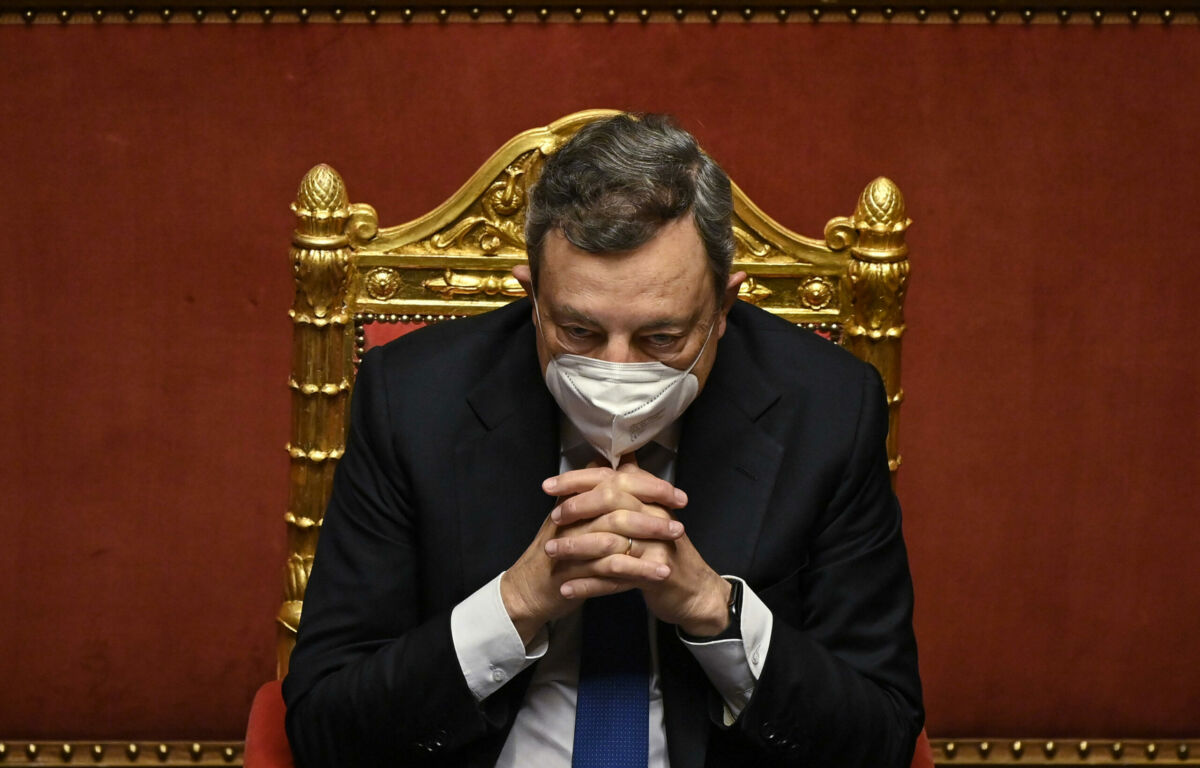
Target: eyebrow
569 313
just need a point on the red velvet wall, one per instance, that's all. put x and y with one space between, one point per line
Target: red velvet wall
1053 406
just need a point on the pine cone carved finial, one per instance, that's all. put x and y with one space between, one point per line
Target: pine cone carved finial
322 191
881 207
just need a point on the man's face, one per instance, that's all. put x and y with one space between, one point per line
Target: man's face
655 302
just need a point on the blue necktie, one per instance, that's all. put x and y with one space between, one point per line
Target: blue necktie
612 712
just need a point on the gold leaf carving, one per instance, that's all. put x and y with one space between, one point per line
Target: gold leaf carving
753 247
322 193
816 293
382 283
881 206
298 568
462 284
320 275
363 224
500 219
879 290
752 291
840 233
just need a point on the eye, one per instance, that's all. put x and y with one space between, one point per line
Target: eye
576 332
661 340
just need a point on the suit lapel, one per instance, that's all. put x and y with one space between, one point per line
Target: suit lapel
727 465
500 467
727 462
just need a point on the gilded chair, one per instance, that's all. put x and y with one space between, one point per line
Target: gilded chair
359 284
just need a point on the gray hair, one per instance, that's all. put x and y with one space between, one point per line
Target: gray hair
614 184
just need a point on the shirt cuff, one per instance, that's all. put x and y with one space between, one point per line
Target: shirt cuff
488 646
734 665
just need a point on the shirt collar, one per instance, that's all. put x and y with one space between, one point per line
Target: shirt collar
572 439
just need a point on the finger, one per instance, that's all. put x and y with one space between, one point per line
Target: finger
589 546
628 462
600 500
648 488
576 480
618 567
634 524
581 589
640 493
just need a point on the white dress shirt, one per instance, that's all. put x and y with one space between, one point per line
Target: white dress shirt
491 653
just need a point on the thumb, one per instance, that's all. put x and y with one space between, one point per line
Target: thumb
628 462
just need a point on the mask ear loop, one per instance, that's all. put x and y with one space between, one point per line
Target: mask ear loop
537 315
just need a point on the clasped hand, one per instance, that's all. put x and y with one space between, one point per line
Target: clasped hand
612 531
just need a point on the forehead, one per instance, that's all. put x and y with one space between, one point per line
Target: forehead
668 276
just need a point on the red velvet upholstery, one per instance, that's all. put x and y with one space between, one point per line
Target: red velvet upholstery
266 742
923 754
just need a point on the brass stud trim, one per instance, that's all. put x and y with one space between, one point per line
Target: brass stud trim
976 12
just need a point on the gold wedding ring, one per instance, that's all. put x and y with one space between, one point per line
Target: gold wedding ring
630 547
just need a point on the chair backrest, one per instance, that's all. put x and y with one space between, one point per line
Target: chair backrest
357 283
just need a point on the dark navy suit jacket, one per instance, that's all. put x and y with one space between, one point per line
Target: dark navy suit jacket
452 432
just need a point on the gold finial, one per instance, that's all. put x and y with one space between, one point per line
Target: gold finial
322 190
881 207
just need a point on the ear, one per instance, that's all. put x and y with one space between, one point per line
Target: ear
524 277
731 295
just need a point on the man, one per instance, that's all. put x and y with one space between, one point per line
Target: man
631 522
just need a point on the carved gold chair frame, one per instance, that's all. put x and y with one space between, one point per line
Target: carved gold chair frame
457 260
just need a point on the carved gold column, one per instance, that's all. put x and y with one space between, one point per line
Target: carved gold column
322 371
879 279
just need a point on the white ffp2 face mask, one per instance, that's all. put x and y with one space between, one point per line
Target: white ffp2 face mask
619 407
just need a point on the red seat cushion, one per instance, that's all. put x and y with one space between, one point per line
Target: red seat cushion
266 741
